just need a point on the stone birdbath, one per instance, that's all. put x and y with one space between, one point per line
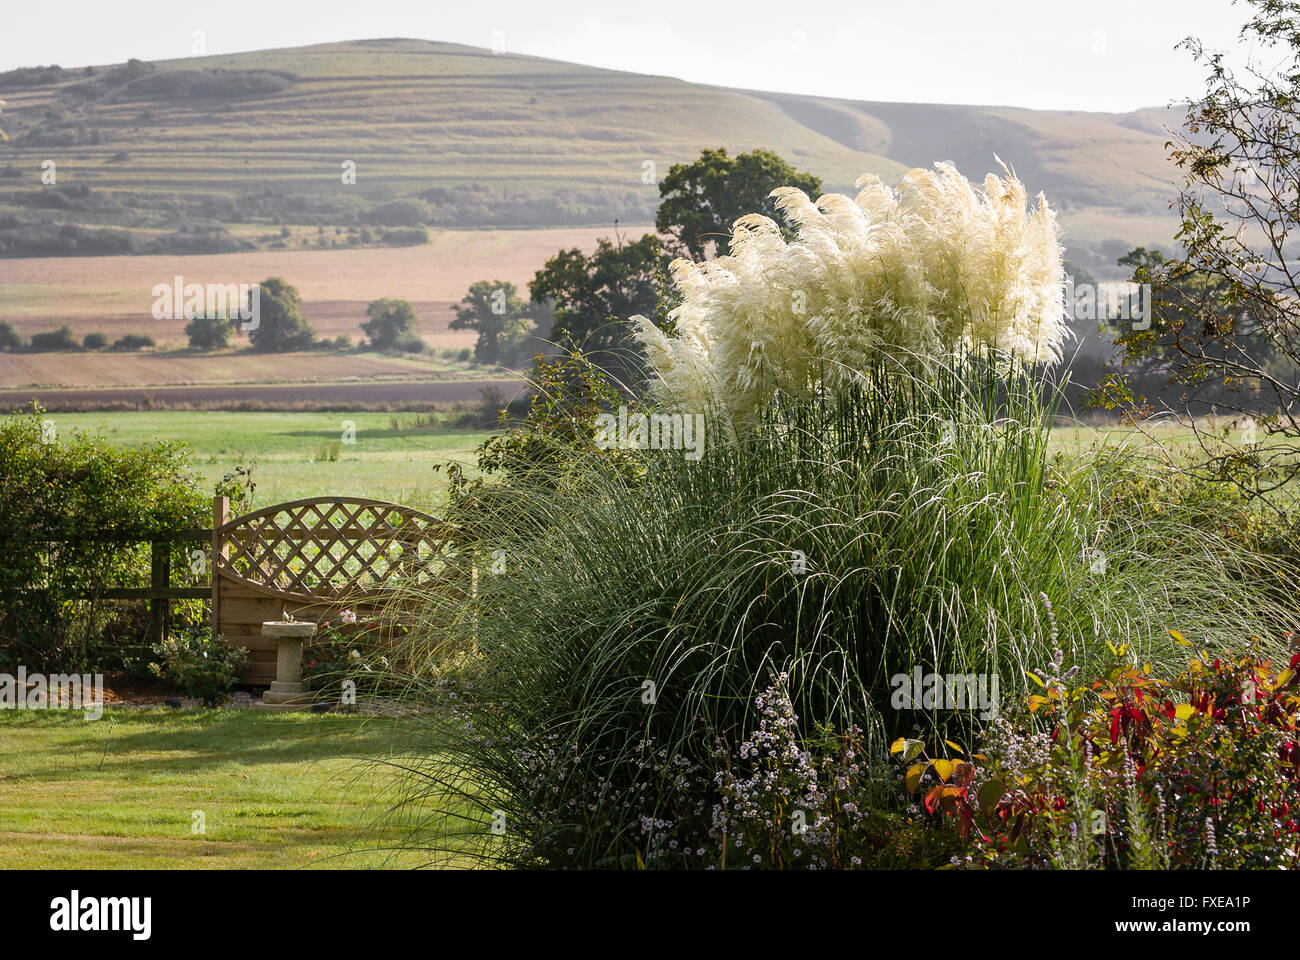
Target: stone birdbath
287 690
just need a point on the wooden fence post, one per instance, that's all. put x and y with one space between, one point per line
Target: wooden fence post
159 583
220 516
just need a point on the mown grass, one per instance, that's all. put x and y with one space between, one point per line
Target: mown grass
292 450
287 790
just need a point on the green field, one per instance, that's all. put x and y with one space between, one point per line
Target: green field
393 457
275 790
290 452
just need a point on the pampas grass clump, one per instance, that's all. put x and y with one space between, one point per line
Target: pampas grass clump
935 269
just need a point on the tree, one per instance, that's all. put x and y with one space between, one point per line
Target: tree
593 296
132 342
94 341
392 326
495 310
1226 313
700 201
209 333
60 339
280 323
9 338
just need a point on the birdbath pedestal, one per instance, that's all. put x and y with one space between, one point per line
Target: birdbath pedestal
287 691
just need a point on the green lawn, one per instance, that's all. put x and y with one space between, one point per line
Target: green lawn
1179 441
276 790
391 458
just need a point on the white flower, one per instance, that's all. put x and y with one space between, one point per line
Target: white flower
347 616
933 269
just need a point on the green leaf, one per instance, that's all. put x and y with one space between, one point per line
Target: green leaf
991 792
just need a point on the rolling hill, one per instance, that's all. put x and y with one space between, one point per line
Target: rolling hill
226 153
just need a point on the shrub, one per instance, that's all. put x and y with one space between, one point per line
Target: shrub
199 666
398 213
404 236
208 84
94 341
346 649
569 393
328 452
132 342
71 510
1198 771
60 339
9 338
209 333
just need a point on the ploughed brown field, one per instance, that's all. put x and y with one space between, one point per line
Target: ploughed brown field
114 294
350 395
148 368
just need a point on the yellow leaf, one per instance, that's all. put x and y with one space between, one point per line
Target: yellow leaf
1183 711
954 746
1034 677
914 775
910 749
1178 638
944 769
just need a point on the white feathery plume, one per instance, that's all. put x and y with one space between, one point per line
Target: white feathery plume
932 269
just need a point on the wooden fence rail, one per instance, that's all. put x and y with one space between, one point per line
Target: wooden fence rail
160 592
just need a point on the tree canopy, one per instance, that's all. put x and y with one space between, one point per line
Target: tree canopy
593 296
392 325
700 201
494 309
280 323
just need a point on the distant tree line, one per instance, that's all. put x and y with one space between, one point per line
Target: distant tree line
576 301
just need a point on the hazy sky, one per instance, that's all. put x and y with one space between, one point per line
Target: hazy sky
1106 55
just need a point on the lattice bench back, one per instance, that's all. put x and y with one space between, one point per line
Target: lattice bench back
313 557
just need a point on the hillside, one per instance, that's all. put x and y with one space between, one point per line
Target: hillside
223 153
